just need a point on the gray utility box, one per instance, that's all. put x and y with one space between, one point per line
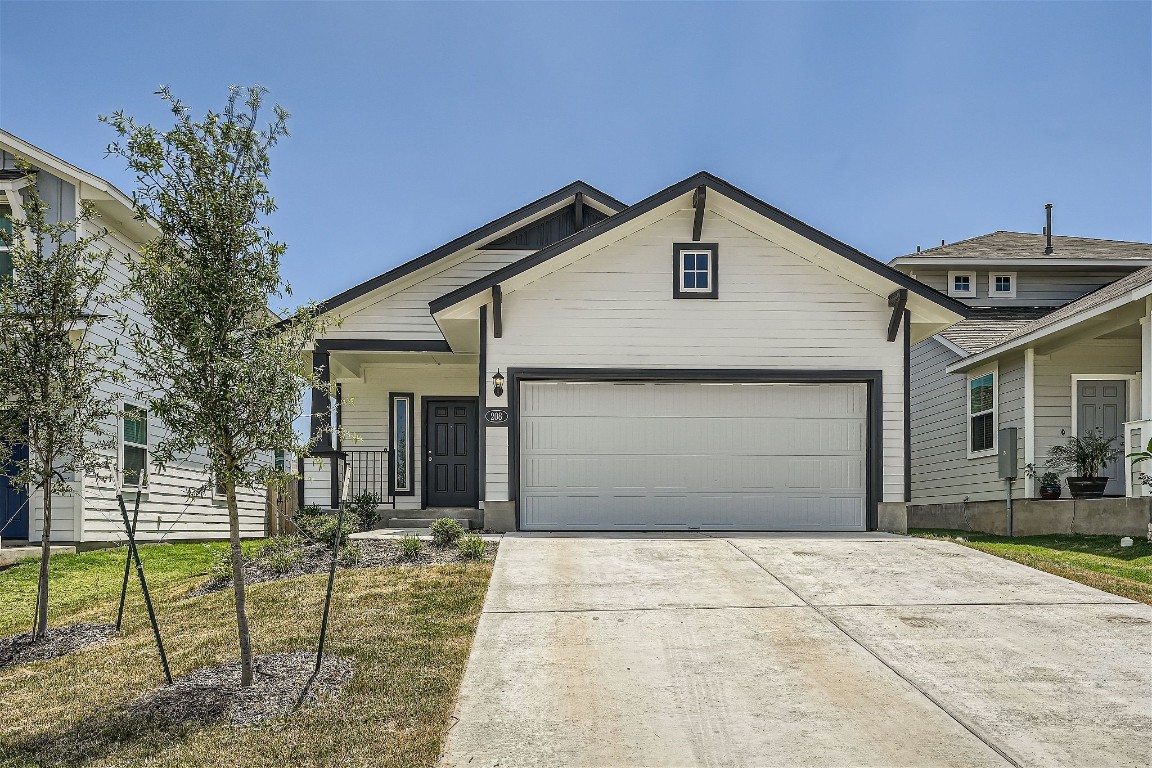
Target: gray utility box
1008 453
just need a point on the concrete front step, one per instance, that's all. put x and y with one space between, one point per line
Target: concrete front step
426 522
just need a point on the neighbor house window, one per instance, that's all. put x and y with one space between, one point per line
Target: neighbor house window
1002 284
134 445
962 284
694 271
401 450
982 413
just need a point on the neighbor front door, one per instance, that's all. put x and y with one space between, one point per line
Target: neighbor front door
13 503
1103 405
451 448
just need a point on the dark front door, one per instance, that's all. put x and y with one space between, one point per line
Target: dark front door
13 503
1103 405
451 448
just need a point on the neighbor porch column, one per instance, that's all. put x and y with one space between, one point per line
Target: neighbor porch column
321 421
1146 362
1029 419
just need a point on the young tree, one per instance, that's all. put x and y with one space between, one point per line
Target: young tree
55 376
218 376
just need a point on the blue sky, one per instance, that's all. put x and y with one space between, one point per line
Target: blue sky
886 125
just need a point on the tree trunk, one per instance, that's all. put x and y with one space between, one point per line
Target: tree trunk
40 625
238 585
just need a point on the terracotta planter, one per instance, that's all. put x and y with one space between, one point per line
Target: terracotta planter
1086 487
1050 492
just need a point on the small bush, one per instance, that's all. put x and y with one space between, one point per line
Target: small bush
410 546
283 553
472 547
445 532
321 528
363 507
351 554
220 566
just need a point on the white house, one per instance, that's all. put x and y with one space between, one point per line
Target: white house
90 515
697 360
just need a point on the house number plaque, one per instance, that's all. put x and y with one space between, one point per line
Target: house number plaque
497 417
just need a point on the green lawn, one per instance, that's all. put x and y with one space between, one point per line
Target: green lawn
408 630
1098 561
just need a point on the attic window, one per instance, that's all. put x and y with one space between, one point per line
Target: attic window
694 270
1002 284
962 284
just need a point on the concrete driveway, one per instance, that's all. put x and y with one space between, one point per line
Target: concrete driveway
796 650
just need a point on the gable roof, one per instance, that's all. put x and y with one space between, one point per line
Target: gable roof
473 238
1015 246
668 194
1134 287
987 326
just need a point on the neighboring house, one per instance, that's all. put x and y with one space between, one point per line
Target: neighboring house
90 513
698 360
1055 345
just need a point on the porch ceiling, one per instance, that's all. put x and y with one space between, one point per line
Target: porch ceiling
349 365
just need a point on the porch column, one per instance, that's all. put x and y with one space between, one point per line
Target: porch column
1146 366
321 421
1029 419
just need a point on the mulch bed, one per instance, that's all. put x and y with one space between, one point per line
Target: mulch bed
315 558
213 694
58 641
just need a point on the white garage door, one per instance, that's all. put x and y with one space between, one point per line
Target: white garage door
597 455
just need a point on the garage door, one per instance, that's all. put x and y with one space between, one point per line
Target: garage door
644 456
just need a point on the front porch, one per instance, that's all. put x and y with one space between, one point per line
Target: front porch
409 423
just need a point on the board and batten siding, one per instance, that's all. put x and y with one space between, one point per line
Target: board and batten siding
1053 374
941 470
167 510
1034 287
364 415
400 311
614 309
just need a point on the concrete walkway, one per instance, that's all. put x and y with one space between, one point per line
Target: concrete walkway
796 650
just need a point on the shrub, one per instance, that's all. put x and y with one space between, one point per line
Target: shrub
472 547
320 527
1083 456
351 554
445 532
283 553
410 546
220 565
363 507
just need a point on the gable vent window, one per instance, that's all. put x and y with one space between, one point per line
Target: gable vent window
982 414
962 284
694 271
1002 285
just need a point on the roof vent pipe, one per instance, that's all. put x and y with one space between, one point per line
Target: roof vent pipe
917 249
1048 228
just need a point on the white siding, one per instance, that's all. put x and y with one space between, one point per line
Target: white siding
614 308
400 310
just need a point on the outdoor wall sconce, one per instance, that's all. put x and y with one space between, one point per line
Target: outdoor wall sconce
498 383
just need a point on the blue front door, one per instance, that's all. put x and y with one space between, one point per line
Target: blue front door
14 504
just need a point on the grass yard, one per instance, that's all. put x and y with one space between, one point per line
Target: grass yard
1098 561
408 630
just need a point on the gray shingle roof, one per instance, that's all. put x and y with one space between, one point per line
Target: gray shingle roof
987 326
1137 279
1023 245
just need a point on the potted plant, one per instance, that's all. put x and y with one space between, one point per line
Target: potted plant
1082 460
1050 486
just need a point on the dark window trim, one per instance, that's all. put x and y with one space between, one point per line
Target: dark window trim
425 401
713 291
874 380
392 398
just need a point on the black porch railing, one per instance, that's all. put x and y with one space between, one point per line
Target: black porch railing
369 474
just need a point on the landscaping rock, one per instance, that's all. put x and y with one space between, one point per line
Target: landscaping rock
58 641
214 694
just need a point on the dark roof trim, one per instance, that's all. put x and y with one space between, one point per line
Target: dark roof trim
464 241
670 193
382 345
